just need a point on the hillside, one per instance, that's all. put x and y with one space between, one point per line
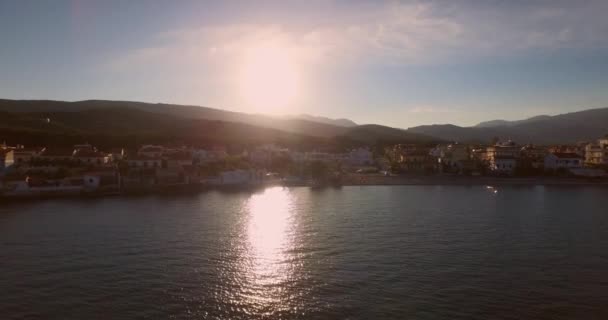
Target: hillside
565 128
111 127
293 125
336 122
505 123
121 118
372 134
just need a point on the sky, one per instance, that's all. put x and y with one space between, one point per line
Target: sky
397 63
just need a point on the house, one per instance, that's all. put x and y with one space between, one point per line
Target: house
90 157
596 154
560 160
533 156
503 165
410 158
414 160
503 156
19 156
54 155
454 158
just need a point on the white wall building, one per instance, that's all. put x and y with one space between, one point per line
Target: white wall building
504 165
558 160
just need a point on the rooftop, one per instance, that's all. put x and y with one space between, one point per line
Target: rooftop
566 155
56 152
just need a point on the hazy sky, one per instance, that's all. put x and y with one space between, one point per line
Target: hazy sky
394 63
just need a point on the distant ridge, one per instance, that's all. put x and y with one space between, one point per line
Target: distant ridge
505 123
119 118
336 122
571 127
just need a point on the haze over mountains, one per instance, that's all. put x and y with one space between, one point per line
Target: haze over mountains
115 118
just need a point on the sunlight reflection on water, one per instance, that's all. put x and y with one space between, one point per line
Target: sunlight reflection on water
265 264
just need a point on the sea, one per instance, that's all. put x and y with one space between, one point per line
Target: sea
358 252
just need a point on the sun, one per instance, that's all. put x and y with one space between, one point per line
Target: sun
269 78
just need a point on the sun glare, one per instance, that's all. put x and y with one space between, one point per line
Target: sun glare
269 78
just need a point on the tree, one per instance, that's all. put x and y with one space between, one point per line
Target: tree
318 170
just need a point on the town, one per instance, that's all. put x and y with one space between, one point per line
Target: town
83 169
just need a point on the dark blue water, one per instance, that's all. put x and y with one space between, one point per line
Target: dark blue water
398 252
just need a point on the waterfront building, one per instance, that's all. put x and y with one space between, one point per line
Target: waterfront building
55 155
409 157
502 157
503 164
19 156
596 154
561 160
90 157
454 158
533 157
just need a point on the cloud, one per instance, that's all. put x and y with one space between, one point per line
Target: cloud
391 33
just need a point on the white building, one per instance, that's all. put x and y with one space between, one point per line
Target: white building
559 160
597 153
19 156
503 165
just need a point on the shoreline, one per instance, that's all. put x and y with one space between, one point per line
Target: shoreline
349 181
455 180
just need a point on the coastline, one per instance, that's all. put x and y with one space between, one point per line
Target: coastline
371 180
350 180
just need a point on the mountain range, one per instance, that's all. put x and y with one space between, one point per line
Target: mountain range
565 128
107 122
185 122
